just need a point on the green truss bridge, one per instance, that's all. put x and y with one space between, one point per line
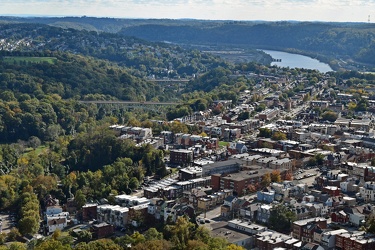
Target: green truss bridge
159 107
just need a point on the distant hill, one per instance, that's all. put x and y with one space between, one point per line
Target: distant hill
324 40
146 59
328 42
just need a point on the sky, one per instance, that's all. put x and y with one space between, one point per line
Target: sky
267 10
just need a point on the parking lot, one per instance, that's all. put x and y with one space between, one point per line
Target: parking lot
6 222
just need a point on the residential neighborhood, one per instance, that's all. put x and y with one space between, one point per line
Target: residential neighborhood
242 178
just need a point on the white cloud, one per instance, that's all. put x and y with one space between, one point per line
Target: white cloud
325 10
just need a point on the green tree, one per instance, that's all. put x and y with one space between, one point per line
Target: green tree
179 233
51 244
265 132
281 219
101 244
153 234
17 246
178 127
133 183
153 245
279 136
13 234
84 236
234 247
329 116
80 199
28 225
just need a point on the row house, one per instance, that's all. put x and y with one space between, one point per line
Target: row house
118 216
135 133
263 214
349 186
332 190
328 239
168 137
125 200
227 207
176 189
249 160
363 125
318 209
266 161
178 210
304 229
320 104
246 226
367 192
188 140
327 129
137 214
158 207
214 131
301 212
214 199
284 163
269 240
195 194
238 147
232 206
340 217
114 215
358 240
231 134
268 114
289 189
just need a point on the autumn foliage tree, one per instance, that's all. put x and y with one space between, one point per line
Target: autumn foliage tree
275 176
266 179
288 176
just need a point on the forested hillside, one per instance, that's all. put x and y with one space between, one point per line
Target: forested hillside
326 41
144 58
330 39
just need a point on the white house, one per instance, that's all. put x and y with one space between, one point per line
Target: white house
357 219
368 191
55 218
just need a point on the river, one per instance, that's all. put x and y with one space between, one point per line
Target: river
297 61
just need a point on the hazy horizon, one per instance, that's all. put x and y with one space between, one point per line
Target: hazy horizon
245 10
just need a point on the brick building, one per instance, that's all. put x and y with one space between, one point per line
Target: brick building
89 212
357 240
304 229
102 230
181 156
239 181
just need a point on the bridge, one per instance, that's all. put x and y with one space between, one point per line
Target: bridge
159 107
130 102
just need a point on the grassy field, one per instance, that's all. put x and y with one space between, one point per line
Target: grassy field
22 59
223 144
39 150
